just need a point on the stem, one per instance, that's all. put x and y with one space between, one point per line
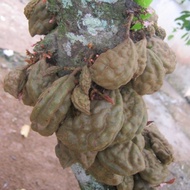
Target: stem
128 25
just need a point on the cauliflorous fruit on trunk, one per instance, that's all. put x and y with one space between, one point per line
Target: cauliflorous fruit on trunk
142 56
85 80
135 115
93 132
116 66
127 184
40 20
103 174
67 156
124 159
80 100
155 172
164 52
15 81
140 184
158 143
55 121
51 99
38 81
152 78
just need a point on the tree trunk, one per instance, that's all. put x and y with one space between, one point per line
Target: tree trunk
85 28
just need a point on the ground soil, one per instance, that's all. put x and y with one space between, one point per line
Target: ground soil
30 163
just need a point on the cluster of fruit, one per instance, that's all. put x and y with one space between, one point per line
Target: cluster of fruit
97 111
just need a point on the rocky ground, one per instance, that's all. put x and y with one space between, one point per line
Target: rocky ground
30 163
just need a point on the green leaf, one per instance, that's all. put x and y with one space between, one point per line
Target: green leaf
137 26
188 42
143 3
183 17
170 37
146 16
184 35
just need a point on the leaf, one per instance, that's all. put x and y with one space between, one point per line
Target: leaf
187 38
143 3
137 26
174 30
183 17
185 12
170 37
184 35
146 16
188 42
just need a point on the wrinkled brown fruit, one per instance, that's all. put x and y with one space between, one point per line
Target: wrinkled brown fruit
97 111
115 67
39 19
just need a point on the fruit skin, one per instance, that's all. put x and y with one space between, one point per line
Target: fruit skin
155 172
55 121
140 184
94 132
40 21
51 100
164 52
157 154
85 80
152 78
158 143
37 81
67 157
135 115
64 156
80 100
124 159
127 184
15 81
103 174
116 66
142 56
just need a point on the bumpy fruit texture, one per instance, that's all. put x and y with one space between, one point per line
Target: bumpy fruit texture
110 140
140 184
67 156
80 100
115 67
139 141
142 56
64 155
85 80
161 33
124 159
158 143
40 20
164 52
135 115
38 81
51 100
55 121
155 172
15 81
152 78
93 132
127 184
29 9
103 174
